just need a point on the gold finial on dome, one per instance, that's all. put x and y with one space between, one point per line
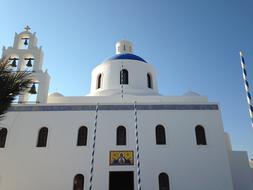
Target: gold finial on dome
27 28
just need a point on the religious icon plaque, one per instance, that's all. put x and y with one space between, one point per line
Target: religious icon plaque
119 158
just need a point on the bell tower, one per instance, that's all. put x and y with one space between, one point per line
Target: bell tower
25 55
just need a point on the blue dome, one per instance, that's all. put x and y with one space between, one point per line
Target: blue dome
127 56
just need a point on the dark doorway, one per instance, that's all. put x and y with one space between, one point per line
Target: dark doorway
121 180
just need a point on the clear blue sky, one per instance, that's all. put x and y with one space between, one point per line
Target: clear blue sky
194 45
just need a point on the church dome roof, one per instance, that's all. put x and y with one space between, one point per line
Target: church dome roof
123 73
126 56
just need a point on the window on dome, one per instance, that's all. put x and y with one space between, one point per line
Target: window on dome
200 135
123 76
3 136
99 81
82 136
160 135
42 138
149 80
78 182
121 135
164 183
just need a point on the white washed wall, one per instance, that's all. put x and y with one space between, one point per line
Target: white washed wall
23 166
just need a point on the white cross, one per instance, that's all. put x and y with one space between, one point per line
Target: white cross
27 28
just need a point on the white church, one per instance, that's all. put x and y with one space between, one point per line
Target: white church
123 135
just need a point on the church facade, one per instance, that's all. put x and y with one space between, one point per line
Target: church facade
122 136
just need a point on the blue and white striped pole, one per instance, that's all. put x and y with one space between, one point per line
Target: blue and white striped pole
137 148
93 148
246 85
121 80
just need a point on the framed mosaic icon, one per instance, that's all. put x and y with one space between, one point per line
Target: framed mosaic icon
124 157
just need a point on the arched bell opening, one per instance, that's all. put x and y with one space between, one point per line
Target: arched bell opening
13 61
29 63
32 93
24 41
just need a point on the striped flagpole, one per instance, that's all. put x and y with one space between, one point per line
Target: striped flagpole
93 148
246 85
137 148
121 81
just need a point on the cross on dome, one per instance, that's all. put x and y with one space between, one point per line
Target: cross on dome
27 28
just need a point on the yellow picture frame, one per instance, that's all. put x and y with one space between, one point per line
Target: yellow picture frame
124 157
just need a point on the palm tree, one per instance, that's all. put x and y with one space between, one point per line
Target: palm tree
11 84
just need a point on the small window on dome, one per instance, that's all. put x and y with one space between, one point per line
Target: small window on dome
123 76
99 81
149 80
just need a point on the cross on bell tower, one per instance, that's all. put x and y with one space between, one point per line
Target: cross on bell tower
25 55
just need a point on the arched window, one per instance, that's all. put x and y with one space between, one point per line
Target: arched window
42 138
200 135
124 76
164 183
82 136
160 134
3 136
149 80
99 81
121 135
78 182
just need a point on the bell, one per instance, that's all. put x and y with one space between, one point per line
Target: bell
33 89
26 42
29 63
14 64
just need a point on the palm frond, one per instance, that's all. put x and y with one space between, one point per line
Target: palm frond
11 84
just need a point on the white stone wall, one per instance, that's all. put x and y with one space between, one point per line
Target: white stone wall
241 171
23 166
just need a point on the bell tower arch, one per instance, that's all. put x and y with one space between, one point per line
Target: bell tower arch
25 55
